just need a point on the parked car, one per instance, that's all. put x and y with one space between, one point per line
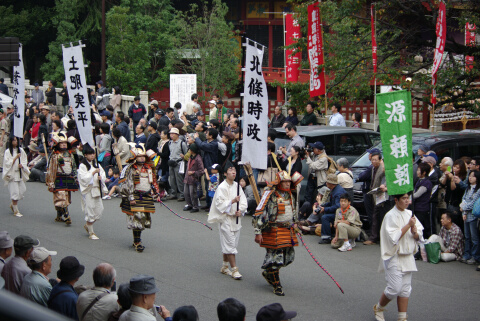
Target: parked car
339 142
454 145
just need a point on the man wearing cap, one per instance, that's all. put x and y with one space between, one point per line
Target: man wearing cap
6 248
177 148
51 94
61 177
36 286
228 215
138 182
37 94
153 108
157 116
326 211
45 110
143 291
98 303
38 166
63 297
153 137
274 223
16 269
106 115
275 312
317 170
212 107
103 97
136 111
222 110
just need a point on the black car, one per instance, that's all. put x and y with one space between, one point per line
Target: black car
454 145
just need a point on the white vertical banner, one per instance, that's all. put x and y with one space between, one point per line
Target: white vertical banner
77 91
181 89
19 96
255 109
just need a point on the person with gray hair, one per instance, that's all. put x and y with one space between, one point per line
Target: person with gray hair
99 303
345 176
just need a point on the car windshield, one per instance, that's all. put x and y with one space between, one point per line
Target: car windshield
363 160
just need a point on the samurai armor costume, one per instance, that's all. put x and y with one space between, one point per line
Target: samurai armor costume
138 183
62 178
274 218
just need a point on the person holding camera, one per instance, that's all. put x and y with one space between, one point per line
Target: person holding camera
317 169
295 139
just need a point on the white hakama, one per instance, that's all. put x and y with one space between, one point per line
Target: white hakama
13 176
92 204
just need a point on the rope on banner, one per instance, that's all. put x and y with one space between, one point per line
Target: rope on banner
256 44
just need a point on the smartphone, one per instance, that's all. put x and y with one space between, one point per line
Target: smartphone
158 308
114 287
449 168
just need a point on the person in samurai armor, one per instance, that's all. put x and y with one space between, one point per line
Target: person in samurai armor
139 188
61 177
275 226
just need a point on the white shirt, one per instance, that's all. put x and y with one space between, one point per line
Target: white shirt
222 210
337 120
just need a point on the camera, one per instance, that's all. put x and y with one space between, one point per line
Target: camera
309 149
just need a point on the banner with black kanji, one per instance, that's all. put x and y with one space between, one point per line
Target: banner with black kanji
77 91
255 109
19 96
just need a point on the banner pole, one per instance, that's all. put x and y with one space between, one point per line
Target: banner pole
323 57
285 56
375 104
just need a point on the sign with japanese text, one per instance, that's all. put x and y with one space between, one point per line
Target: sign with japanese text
441 31
182 87
470 33
77 91
255 109
374 38
315 51
395 115
18 96
292 33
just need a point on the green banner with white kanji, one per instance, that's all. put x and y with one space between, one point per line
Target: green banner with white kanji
395 115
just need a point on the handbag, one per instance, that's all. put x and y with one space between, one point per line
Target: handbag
476 208
454 210
101 156
433 252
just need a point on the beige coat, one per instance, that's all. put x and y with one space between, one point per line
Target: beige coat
319 166
123 149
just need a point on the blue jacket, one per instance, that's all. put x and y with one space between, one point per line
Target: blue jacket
136 113
366 178
210 151
64 302
124 130
334 204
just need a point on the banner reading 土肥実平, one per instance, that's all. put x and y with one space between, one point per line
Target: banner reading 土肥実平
18 96
255 109
395 115
315 51
77 91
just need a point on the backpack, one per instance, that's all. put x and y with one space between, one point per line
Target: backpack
332 165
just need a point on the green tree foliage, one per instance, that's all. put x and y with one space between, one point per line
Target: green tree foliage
205 44
138 39
405 30
73 20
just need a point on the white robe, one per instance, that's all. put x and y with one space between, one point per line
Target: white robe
223 211
391 242
92 203
11 173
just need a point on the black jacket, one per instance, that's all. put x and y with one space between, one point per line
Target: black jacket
152 142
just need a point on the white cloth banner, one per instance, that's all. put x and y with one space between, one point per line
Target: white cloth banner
181 89
19 96
77 91
255 110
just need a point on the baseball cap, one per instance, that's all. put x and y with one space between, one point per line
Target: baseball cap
40 254
374 151
5 240
220 102
274 312
24 241
317 145
105 113
154 102
200 113
214 166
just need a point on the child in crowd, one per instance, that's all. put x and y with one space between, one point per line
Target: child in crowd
109 175
113 183
213 184
347 225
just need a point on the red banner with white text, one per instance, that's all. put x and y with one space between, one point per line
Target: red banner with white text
441 31
315 51
292 33
374 39
470 32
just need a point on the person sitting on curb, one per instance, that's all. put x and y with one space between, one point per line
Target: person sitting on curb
450 239
347 225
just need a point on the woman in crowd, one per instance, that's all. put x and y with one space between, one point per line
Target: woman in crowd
345 176
472 250
293 163
116 100
248 191
421 198
105 146
454 191
357 119
15 172
28 125
42 130
292 117
164 153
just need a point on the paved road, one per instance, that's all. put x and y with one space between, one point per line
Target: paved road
185 259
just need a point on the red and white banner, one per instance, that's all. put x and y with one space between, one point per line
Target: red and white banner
441 31
470 33
315 51
374 39
292 33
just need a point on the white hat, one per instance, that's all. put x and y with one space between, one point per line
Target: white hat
212 102
40 254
